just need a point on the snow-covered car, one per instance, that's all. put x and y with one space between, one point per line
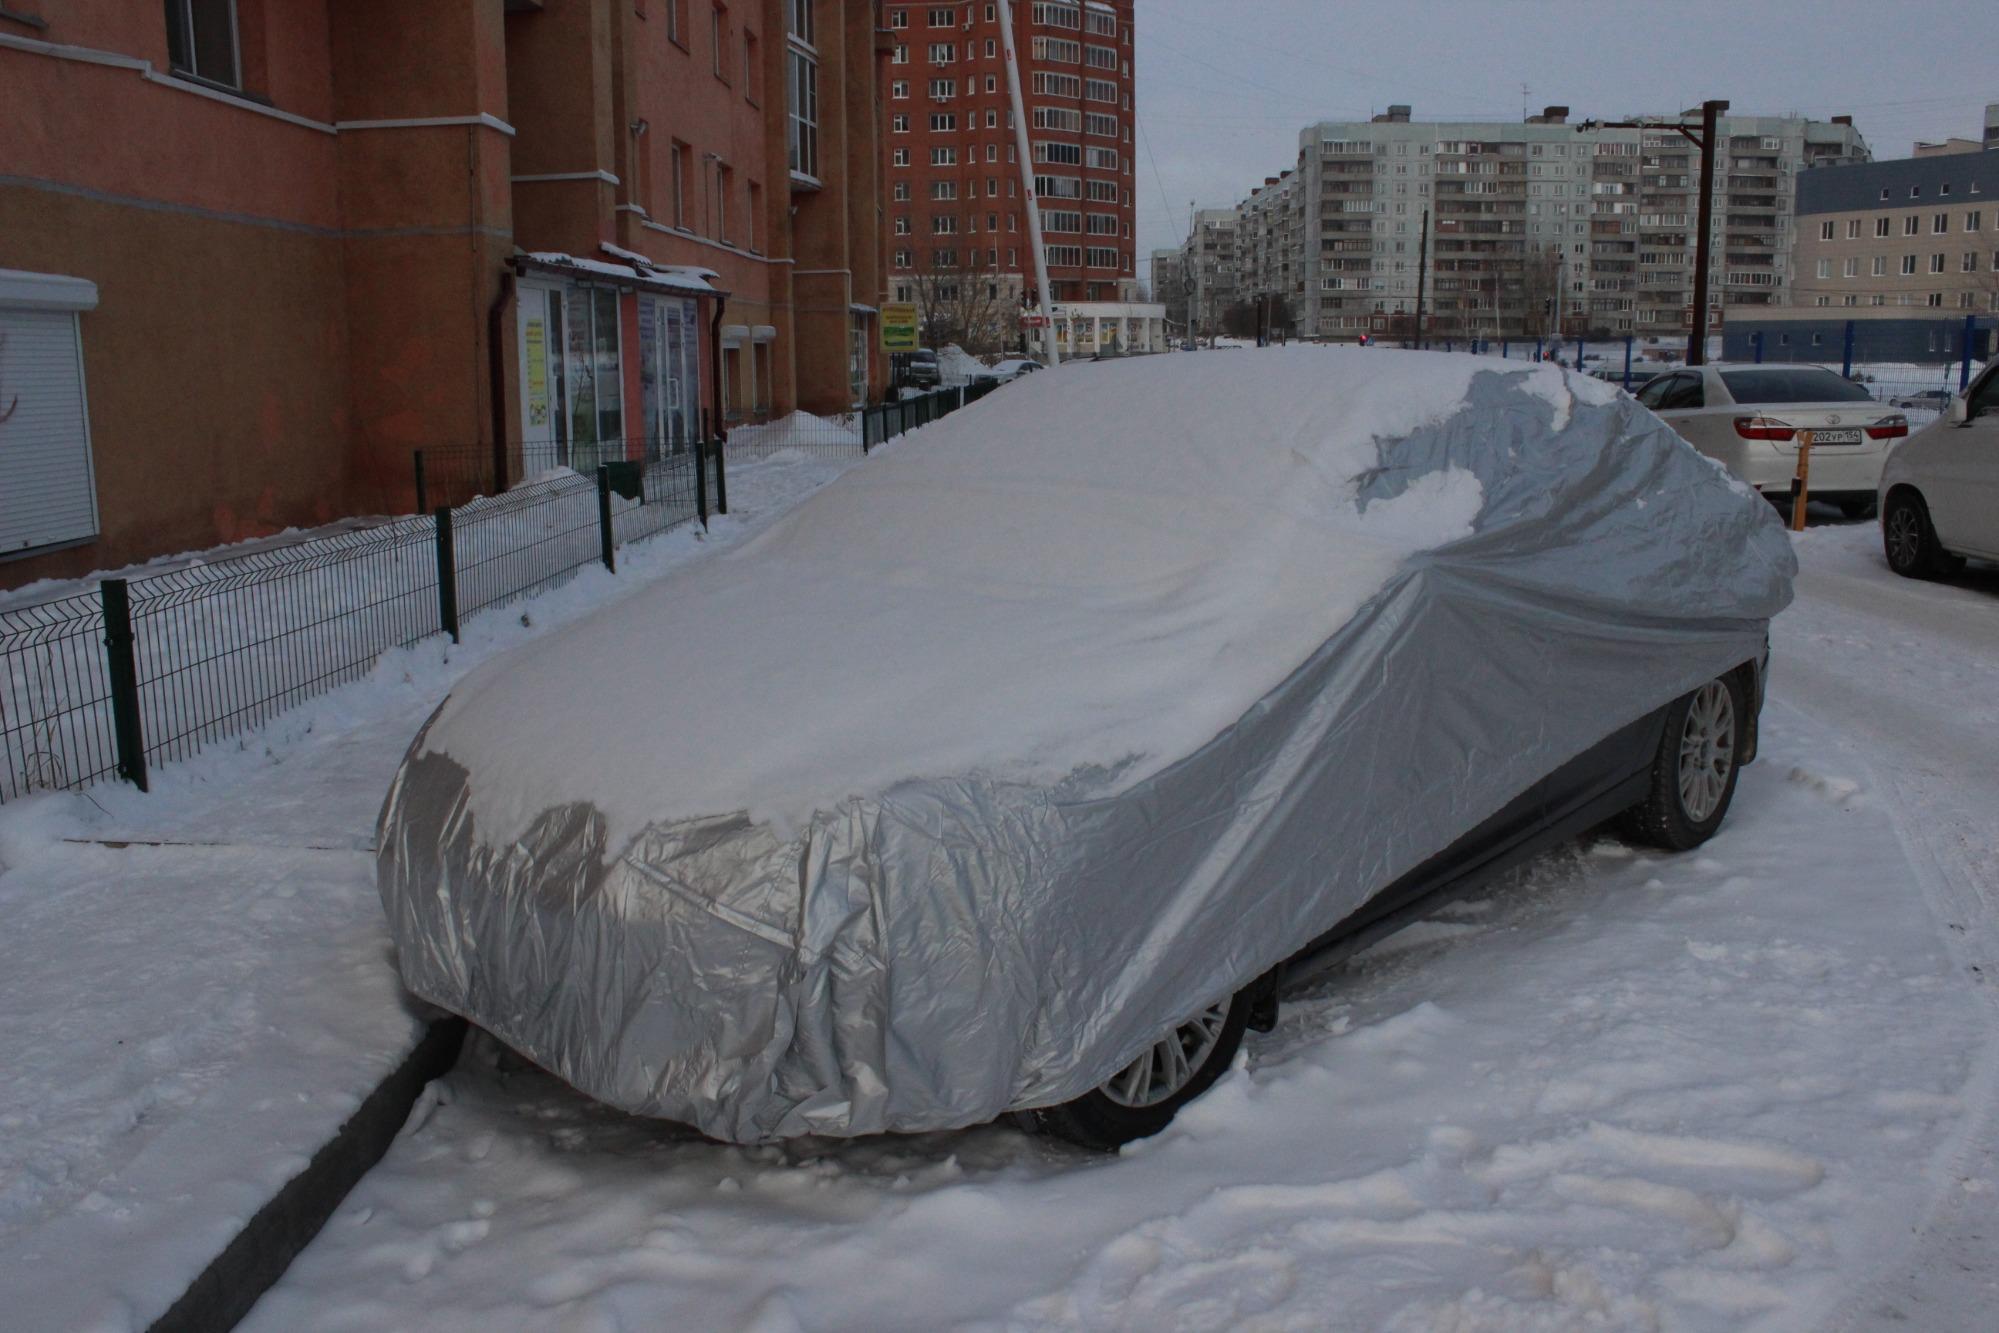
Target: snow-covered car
1747 418
1019 779
1940 488
1010 369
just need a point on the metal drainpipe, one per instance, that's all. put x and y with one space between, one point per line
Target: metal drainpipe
496 349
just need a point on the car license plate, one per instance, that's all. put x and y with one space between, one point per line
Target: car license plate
1835 437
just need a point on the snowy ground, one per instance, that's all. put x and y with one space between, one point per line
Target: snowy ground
198 982
1748 1087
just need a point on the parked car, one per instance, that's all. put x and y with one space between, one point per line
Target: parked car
921 371
1927 400
1010 369
1747 418
1025 766
1940 488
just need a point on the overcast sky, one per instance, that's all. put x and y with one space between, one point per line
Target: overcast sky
1224 86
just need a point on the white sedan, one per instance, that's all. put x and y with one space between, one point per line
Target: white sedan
1940 489
1747 418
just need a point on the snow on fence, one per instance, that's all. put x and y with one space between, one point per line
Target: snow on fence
149 670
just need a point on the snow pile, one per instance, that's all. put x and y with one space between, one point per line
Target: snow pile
1011 592
957 366
799 430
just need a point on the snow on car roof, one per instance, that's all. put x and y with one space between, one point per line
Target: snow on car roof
1099 569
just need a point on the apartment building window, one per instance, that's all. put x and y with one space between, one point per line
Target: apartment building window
1972 220
992 119
679 160
900 88
1881 226
725 179
942 18
1100 57
802 80
1966 300
1100 24
1939 224
1908 266
1101 125
1103 159
676 23
1911 225
1880 266
1057 85
943 121
1058 154
991 50
1853 229
1936 263
992 84
898 18
943 90
1061 221
1056 118
1970 262
943 157
944 259
1057 49
1825 231
898 124
1101 224
944 224
901 225
899 157
1853 266
1100 90
1065 256
992 187
900 191
1053 14
756 218
201 41
720 29
943 189
1936 299
943 53
1825 268
902 258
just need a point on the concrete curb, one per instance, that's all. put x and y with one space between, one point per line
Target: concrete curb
269 1241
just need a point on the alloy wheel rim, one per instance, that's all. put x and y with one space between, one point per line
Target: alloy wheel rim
1903 537
1707 751
1170 1063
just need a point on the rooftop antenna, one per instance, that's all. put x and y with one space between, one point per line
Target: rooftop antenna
1523 101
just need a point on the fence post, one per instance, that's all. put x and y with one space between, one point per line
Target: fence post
1964 369
447 575
867 428
422 491
1846 358
1579 354
123 669
1628 340
701 478
721 474
1504 346
609 550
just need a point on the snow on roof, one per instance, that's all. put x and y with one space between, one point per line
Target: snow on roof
1101 566
633 273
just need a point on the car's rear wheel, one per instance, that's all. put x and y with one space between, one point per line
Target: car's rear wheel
1142 1098
1910 542
1694 769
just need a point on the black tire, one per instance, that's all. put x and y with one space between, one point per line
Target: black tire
1910 542
1102 1121
1694 770
1856 509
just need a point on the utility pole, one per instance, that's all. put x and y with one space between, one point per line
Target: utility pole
1422 275
1027 182
1705 140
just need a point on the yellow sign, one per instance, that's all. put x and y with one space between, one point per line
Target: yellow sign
899 324
536 337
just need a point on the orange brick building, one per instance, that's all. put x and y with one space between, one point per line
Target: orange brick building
253 253
955 204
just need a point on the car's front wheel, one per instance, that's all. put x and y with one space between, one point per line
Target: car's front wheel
1142 1098
1694 769
1910 542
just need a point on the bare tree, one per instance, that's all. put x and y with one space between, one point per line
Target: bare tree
972 306
1540 291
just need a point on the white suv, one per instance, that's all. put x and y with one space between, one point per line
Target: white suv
1940 487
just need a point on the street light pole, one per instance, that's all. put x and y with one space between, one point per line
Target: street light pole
1705 140
1027 182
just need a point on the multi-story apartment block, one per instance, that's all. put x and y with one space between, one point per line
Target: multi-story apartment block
1270 226
301 240
958 229
1919 231
1537 228
1209 271
1166 287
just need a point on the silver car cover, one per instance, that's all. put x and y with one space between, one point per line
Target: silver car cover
936 953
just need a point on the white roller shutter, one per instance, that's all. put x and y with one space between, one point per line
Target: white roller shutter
47 491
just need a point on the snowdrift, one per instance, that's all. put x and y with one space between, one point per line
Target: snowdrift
1058 720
